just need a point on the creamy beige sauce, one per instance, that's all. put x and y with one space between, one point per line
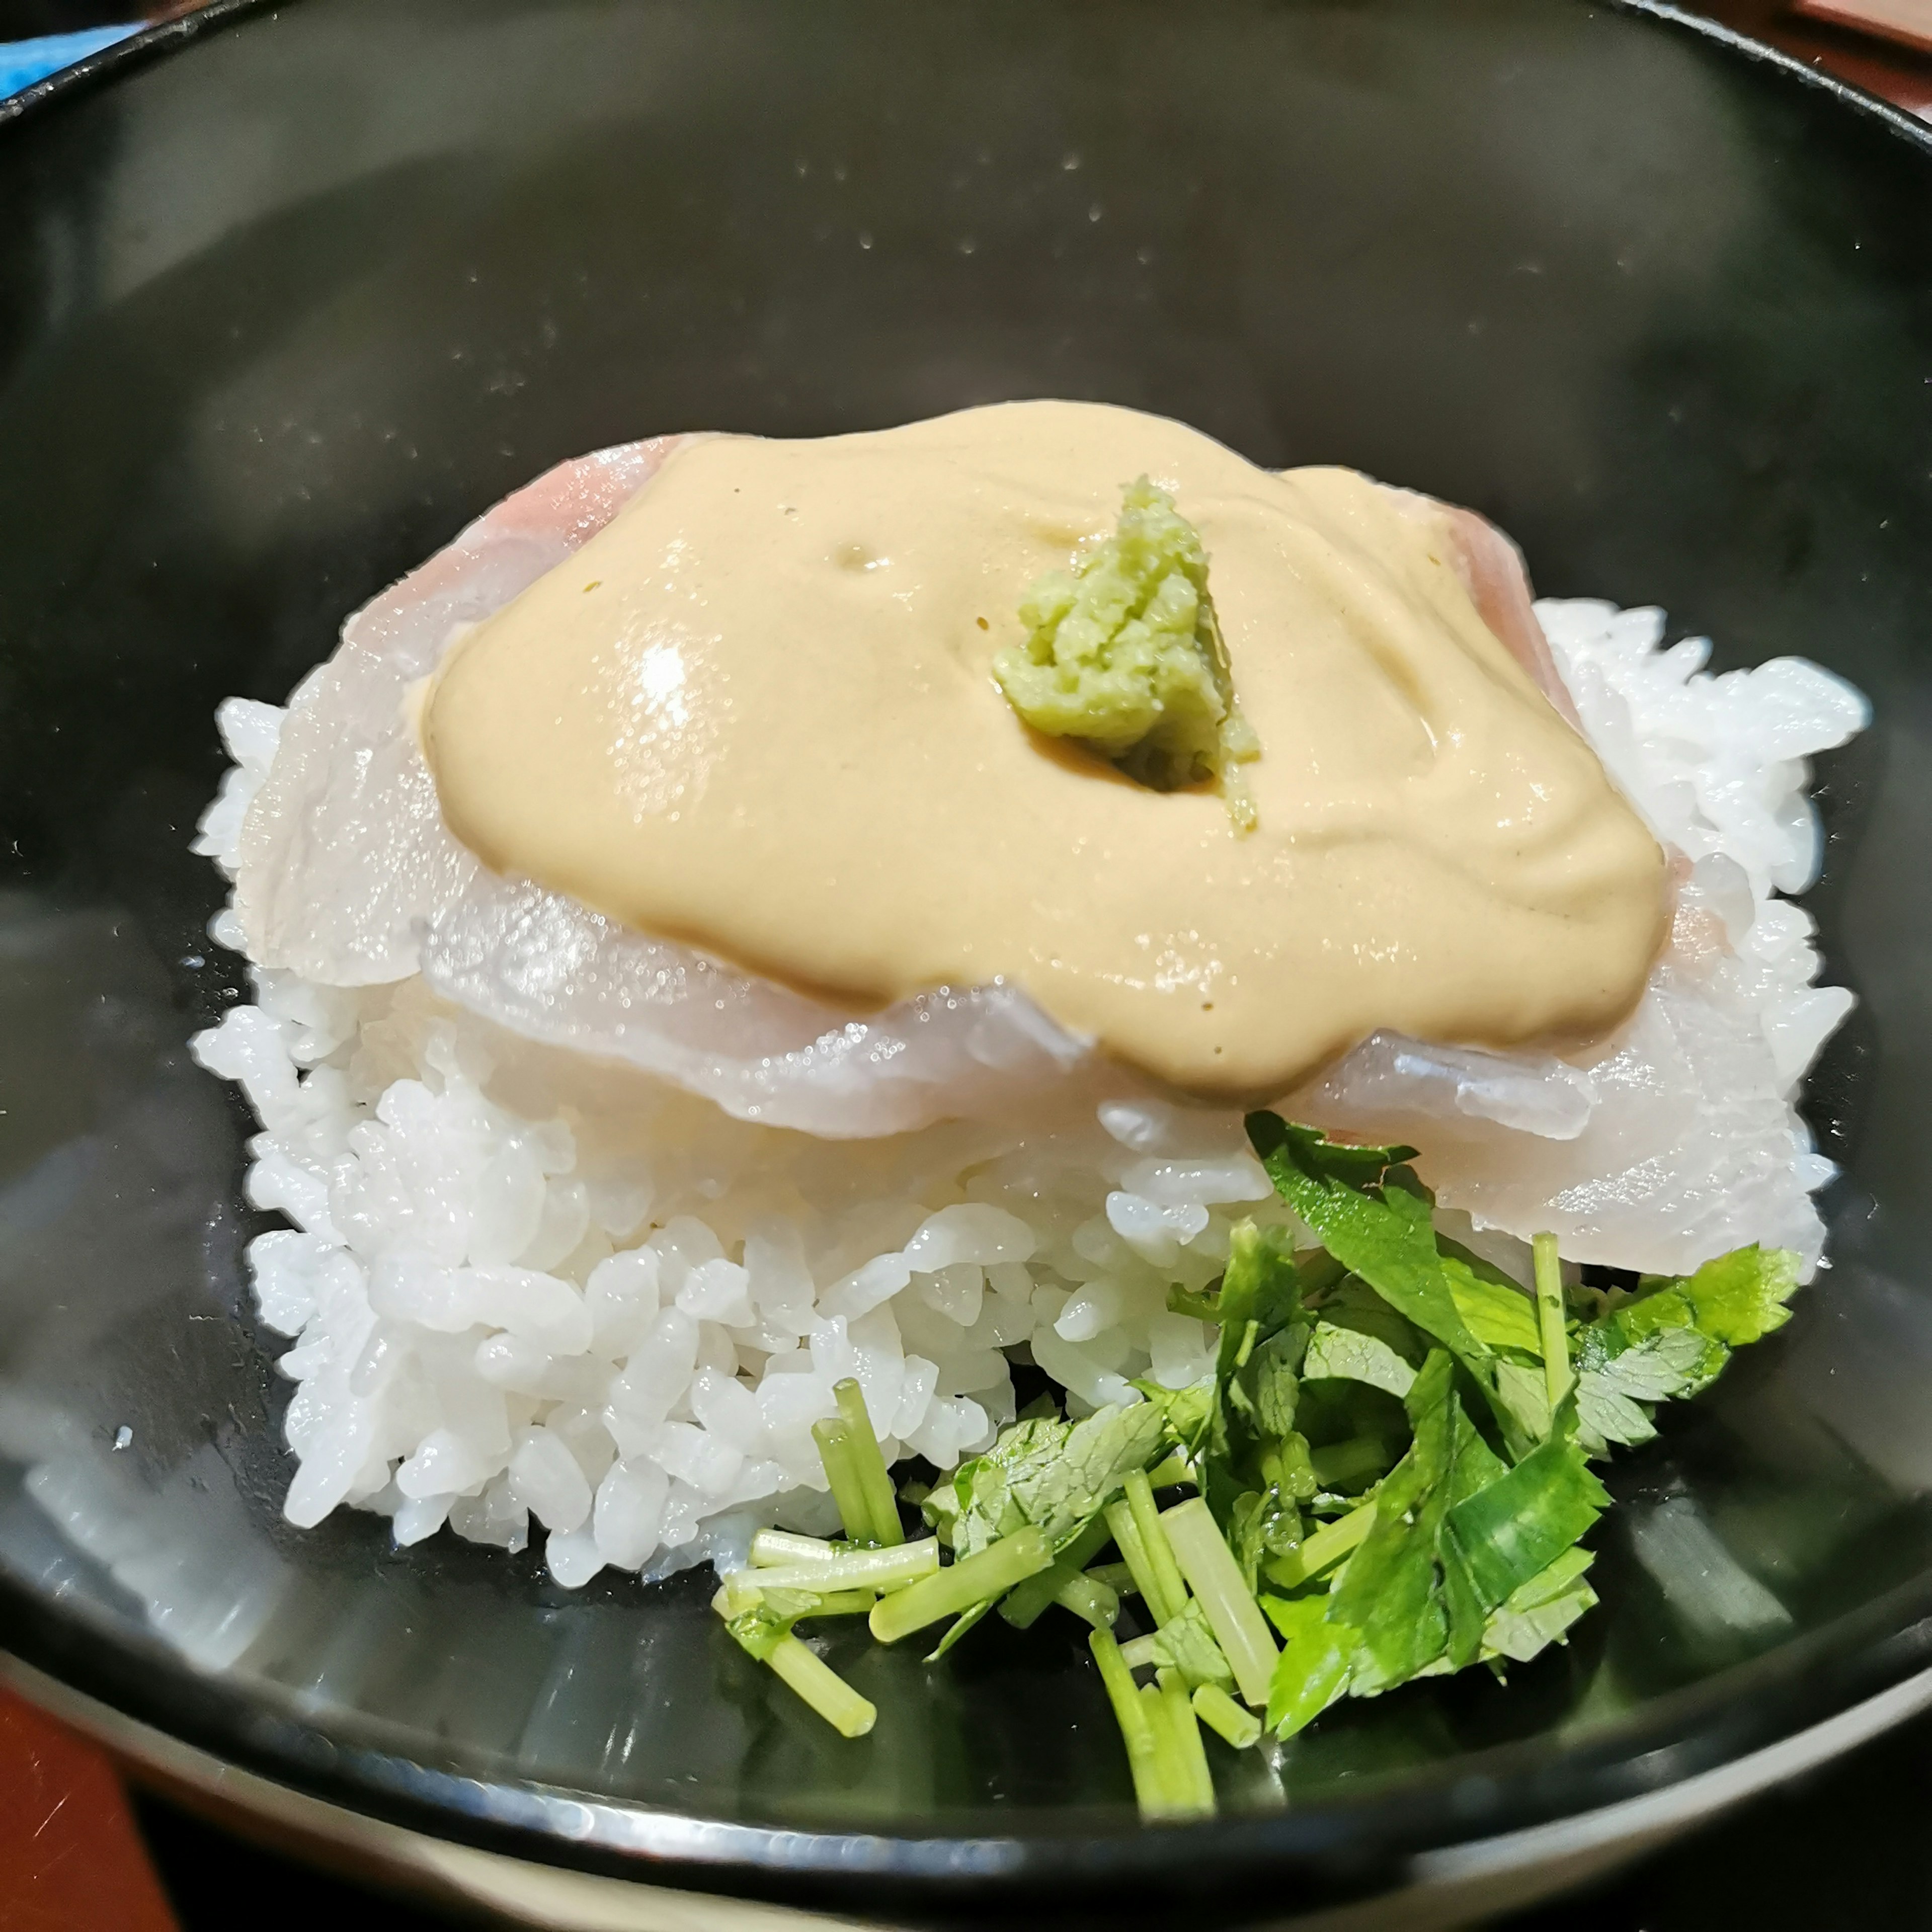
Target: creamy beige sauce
755 714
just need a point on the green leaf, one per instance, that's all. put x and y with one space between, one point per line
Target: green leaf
1673 1340
1386 1236
1519 1524
1186 1643
1327 1159
1613 1391
1059 1491
1055 1475
1605 1415
1354 1355
945 1503
1540 1613
1665 1364
1187 1412
760 1630
959 1626
1352 1303
1315 1664
1477 1466
1524 1393
1260 1291
1248 1440
1391 1591
1740 1297
1736 1299
1270 1376
1497 1311
1261 1524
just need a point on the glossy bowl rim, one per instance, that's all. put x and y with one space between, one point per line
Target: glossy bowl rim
1342 1848
1453 1880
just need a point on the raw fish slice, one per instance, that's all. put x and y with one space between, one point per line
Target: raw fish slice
343 856
1678 1142
1392 1088
548 968
1493 573
1689 1145
347 876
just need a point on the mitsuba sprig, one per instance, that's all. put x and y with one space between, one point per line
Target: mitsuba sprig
1389 1470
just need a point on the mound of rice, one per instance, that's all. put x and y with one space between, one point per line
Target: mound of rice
528 1283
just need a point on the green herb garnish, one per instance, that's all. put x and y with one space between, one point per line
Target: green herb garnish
1391 1461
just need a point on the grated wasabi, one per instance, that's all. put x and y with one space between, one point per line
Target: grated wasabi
1123 654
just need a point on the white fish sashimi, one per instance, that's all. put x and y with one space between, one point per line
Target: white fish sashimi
343 858
550 969
1689 1145
1678 1141
347 875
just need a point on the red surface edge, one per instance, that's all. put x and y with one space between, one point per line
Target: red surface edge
71 1858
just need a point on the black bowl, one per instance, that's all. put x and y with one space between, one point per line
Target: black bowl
288 293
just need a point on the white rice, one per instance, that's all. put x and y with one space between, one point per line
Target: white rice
528 1283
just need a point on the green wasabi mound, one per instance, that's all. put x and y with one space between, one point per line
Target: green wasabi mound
1124 655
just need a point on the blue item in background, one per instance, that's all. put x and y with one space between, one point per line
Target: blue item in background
23 62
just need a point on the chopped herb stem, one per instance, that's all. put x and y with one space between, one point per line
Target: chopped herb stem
1088 1545
1170 1775
1176 1469
850 1570
1173 1775
1026 1603
844 1604
1065 1583
1549 1317
1323 1550
1195 1781
1127 1539
955 1589
738 1595
1225 1717
836 1451
821 1687
1232 1613
1168 1597
771 1547
1196 1307
1089 1599
1136 1732
1140 1651
869 1463
1118 1577
745 1592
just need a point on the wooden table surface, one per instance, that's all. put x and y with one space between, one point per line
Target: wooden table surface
70 1859
1894 72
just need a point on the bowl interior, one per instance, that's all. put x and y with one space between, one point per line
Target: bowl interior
280 311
